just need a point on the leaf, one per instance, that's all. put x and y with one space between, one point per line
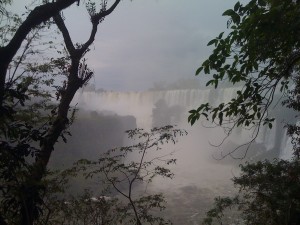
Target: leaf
216 84
206 70
201 107
214 115
190 117
226 67
205 114
255 108
211 42
258 115
209 82
261 2
237 6
270 125
228 12
236 18
247 123
193 120
220 118
220 35
199 70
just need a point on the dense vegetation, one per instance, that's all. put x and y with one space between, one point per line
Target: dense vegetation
261 52
30 123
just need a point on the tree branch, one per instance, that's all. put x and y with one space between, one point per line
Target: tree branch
40 14
95 21
105 13
75 81
63 29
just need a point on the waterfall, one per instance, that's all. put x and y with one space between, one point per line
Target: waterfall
172 106
141 104
197 175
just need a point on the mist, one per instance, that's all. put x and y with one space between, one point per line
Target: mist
143 60
201 173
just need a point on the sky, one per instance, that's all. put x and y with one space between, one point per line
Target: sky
148 41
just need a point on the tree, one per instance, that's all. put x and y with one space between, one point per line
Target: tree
268 194
261 52
61 207
118 183
124 169
40 14
16 146
26 121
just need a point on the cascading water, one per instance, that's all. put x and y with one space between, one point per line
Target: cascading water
197 174
174 104
140 104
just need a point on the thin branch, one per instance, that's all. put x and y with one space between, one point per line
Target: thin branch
114 185
62 27
95 21
140 165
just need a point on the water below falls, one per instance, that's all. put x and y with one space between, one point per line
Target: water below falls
199 177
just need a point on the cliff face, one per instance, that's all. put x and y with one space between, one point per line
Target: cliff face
92 134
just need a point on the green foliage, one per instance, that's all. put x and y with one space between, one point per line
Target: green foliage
269 193
260 51
26 116
218 212
30 122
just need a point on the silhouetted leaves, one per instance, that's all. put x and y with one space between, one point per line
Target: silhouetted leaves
260 52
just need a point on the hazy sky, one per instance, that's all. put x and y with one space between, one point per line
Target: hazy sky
147 41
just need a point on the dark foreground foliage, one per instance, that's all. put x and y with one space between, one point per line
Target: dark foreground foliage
269 193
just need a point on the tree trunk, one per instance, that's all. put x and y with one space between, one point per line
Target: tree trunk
40 14
33 184
29 211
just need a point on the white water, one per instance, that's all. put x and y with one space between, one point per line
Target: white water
141 105
196 167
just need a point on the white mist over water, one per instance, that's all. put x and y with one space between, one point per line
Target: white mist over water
175 104
141 104
197 174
